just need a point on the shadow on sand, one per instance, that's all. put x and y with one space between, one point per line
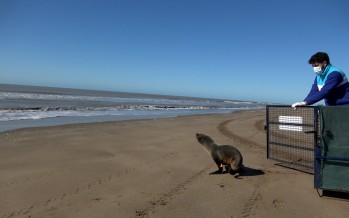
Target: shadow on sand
334 194
245 171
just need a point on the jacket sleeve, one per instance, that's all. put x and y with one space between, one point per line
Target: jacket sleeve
313 91
333 80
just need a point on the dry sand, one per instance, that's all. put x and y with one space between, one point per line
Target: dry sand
151 168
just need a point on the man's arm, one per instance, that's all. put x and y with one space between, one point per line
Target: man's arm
333 80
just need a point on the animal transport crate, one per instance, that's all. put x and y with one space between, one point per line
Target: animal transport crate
313 140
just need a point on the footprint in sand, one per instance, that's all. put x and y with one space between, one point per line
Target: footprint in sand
278 204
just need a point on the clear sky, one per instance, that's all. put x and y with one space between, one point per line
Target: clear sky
233 49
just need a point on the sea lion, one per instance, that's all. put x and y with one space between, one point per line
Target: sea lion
222 155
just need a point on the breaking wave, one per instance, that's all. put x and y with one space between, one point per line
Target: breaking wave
51 112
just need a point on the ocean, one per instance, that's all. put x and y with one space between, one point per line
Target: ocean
33 106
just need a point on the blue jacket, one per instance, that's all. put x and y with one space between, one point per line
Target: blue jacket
332 86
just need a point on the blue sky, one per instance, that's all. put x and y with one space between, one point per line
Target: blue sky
232 49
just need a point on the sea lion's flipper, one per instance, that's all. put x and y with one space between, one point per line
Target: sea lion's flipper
237 176
228 168
238 171
219 171
233 172
218 162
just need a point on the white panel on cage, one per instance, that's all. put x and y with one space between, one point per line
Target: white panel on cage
290 123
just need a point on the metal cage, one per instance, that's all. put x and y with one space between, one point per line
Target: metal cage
313 140
292 136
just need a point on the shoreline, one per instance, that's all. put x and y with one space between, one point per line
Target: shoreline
106 123
66 120
151 168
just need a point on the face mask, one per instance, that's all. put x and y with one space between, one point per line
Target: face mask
317 70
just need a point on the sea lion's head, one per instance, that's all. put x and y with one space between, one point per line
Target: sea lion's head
203 139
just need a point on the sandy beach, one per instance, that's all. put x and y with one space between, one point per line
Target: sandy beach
151 168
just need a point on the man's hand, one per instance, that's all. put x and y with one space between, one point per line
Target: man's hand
299 104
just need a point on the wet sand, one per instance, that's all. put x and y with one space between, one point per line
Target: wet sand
151 168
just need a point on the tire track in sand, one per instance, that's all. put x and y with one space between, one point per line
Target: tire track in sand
251 203
52 202
165 198
223 128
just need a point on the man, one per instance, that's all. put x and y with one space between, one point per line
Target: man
331 84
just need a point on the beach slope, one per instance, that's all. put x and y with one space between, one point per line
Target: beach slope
151 168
